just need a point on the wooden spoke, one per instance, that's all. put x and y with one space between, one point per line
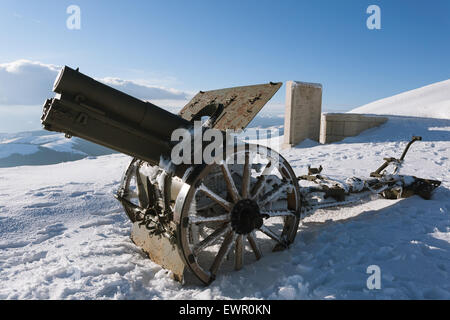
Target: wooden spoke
223 251
219 218
258 187
215 197
267 169
135 208
277 213
254 245
231 187
211 239
239 252
206 206
273 194
272 235
246 175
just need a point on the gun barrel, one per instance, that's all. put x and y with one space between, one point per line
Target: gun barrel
145 114
96 112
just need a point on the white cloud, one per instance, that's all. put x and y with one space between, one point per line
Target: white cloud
25 82
144 91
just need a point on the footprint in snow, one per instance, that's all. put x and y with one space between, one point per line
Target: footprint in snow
98 223
80 183
112 183
78 194
44 191
13 245
41 205
50 231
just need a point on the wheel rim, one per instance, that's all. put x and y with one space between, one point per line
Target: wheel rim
232 214
129 193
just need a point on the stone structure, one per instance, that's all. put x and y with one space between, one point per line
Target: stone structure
303 110
337 126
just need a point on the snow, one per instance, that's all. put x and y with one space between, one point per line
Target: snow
62 145
30 141
310 84
64 236
431 101
15 148
43 147
27 143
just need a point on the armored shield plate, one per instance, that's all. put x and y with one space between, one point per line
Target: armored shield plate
159 249
233 108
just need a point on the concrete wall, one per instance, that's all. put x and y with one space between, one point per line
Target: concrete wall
303 110
337 126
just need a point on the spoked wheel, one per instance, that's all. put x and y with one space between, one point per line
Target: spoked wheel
231 214
139 193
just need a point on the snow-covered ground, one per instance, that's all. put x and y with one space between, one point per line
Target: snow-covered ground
64 236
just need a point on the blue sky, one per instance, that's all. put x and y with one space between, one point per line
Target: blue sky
200 45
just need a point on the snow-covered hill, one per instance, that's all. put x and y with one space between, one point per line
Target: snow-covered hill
431 101
43 147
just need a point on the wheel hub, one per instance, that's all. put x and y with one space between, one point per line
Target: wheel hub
245 217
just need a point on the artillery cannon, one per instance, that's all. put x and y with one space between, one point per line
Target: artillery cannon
208 216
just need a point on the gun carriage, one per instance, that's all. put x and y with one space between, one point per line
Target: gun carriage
215 216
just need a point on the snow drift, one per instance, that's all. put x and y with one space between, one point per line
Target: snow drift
432 101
